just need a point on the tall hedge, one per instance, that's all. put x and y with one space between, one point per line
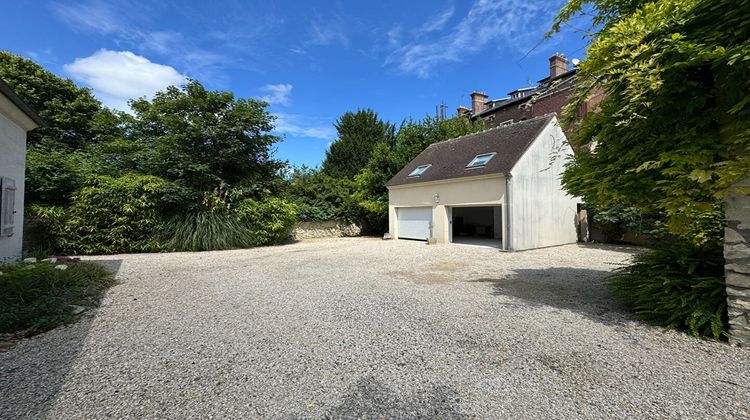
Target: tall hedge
108 215
270 221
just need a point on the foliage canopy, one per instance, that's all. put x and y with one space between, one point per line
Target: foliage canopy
671 137
103 181
673 134
358 134
201 138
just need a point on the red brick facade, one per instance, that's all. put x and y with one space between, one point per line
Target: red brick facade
550 96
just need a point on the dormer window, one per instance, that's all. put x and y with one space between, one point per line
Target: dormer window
480 161
420 170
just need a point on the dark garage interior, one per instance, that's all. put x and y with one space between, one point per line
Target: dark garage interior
477 225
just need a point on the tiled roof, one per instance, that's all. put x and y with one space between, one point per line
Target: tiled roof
449 158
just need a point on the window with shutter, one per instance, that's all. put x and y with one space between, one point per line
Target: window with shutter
7 206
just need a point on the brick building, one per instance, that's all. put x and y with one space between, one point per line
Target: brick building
548 96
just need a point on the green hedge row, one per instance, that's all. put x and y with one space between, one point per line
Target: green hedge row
135 213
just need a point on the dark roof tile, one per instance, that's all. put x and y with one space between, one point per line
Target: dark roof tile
449 158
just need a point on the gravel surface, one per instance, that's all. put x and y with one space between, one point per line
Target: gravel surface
369 328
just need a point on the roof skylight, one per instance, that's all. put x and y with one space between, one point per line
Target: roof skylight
420 170
480 161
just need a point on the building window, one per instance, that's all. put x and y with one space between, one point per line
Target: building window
420 170
480 161
7 206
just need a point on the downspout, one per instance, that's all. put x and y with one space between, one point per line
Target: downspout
508 245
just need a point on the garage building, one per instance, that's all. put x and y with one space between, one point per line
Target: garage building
500 187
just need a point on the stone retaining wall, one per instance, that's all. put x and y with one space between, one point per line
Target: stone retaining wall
325 229
737 269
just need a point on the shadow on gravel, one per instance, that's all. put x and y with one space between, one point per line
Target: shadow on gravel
371 399
33 372
579 290
627 249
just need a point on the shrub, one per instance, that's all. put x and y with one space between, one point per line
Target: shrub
39 297
319 196
204 231
678 285
373 215
108 215
270 221
53 174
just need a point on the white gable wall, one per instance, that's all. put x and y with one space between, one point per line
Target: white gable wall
13 126
541 212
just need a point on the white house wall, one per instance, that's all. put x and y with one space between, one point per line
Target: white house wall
462 191
12 165
541 212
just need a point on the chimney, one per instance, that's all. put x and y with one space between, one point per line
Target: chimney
478 100
558 65
463 111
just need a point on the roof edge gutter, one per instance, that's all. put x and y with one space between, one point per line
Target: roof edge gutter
16 100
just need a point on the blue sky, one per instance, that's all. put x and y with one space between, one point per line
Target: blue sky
311 60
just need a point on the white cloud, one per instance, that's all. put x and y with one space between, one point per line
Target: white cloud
117 76
438 21
279 94
394 36
328 31
304 126
515 24
93 15
120 21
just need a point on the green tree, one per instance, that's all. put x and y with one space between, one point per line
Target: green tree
673 134
73 121
205 140
73 117
358 133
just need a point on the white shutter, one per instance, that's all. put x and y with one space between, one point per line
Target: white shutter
7 206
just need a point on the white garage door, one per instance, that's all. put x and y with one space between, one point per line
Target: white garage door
414 222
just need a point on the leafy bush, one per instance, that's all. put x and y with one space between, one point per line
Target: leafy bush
615 221
39 297
109 215
270 221
679 285
319 196
53 174
204 231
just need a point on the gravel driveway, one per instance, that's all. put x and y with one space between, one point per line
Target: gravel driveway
369 328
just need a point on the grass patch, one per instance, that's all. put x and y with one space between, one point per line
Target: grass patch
38 297
678 286
207 231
